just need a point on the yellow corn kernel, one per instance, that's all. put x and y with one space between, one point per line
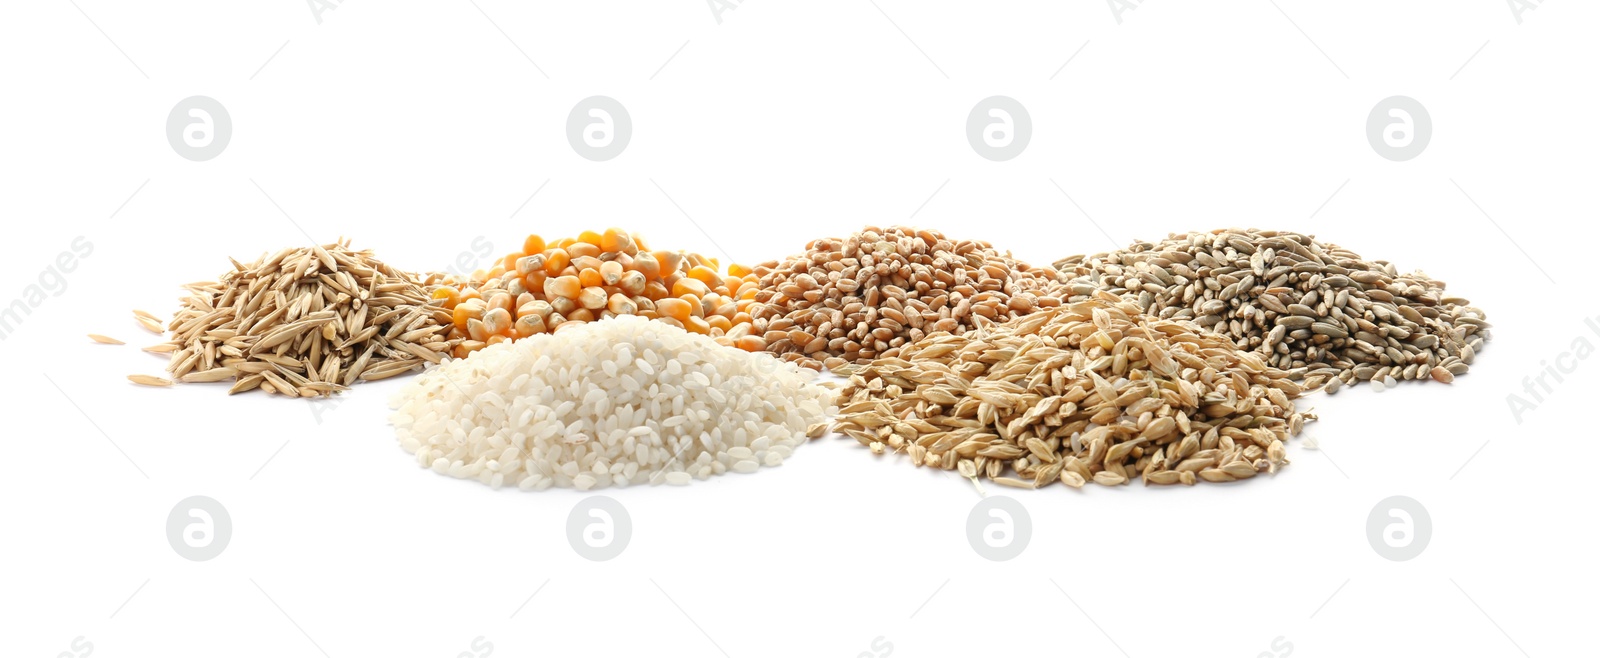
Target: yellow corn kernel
562 286
621 305
592 298
533 245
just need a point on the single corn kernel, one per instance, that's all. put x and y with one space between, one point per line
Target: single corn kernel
497 321
611 272
615 240
719 322
655 290
705 275
580 315
556 260
449 294
688 286
647 265
621 305
697 325
529 325
497 339
583 249
476 330
500 300
739 271
670 261
750 343
590 237
562 286
672 307
537 307
530 264
562 306
592 298
590 278
533 245
632 283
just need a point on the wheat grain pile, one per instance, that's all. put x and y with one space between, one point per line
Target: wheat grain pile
1091 391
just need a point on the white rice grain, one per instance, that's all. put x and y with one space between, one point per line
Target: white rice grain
612 403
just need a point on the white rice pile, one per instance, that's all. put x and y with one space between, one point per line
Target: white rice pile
617 402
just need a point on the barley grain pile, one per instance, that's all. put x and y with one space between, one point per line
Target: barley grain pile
1090 391
619 401
1314 309
865 296
303 322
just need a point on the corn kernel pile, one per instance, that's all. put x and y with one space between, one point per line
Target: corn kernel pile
596 276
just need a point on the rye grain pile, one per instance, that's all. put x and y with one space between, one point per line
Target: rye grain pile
619 401
1089 391
1316 310
853 299
303 322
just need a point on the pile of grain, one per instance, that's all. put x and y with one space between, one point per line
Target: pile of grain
595 276
1090 391
303 322
619 401
865 296
1314 309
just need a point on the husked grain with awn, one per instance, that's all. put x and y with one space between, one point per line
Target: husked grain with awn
303 322
1092 390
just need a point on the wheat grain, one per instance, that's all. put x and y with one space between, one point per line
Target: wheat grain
1092 390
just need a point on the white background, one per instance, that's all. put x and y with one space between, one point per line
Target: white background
415 127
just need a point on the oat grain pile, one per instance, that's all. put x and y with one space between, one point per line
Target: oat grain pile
1089 391
865 296
1314 309
303 322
